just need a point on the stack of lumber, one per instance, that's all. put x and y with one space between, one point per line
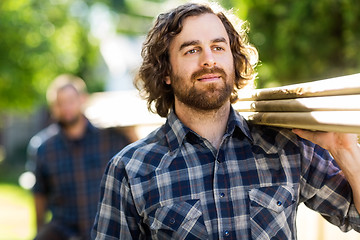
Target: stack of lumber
325 105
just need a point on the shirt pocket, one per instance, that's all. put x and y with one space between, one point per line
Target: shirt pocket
180 220
272 212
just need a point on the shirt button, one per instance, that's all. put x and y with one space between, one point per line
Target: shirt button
226 233
222 195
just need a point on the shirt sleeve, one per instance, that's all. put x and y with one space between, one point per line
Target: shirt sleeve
41 184
117 217
325 189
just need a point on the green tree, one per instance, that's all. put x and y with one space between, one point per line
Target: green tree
39 40
298 41
303 40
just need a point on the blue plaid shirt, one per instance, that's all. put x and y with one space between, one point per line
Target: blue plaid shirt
175 185
68 173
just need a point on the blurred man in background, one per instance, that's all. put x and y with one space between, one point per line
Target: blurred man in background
69 163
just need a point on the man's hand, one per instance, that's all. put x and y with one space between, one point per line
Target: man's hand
332 141
345 149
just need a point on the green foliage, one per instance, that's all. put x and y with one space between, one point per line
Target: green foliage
298 41
303 40
39 40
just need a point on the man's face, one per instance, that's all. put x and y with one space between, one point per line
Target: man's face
67 107
202 64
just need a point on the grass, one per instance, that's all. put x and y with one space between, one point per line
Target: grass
17 210
17 213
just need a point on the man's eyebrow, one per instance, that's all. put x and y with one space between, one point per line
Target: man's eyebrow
196 42
189 43
220 39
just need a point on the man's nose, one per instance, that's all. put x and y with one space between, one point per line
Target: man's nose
208 59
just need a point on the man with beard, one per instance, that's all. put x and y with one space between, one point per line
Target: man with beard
69 163
207 173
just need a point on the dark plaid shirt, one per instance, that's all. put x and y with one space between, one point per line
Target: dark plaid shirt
175 185
69 173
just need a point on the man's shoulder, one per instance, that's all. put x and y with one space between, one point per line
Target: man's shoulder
147 151
114 134
45 137
279 138
155 141
273 136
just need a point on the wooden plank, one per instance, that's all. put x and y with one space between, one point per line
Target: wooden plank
331 121
344 85
327 103
119 109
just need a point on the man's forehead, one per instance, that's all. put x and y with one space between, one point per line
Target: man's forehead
203 27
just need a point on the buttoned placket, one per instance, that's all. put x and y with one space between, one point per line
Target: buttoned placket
221 191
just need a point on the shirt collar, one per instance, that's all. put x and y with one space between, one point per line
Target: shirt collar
176 131
236 121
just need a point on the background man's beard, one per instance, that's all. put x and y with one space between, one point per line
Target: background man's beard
69 123
210 98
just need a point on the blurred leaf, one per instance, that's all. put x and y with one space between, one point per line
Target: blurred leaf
306 40
39 41
298 41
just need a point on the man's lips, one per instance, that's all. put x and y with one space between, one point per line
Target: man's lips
209 77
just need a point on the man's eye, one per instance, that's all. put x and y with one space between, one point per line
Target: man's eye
192 51
218 48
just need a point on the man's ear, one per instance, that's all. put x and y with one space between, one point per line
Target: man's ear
167 80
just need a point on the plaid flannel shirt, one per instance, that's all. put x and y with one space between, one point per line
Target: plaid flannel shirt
175 185
68 173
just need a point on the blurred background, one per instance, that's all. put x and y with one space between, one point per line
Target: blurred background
100 41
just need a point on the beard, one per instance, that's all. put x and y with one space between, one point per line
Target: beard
66 123
211 96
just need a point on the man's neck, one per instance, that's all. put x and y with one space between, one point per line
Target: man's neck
77 130
208 124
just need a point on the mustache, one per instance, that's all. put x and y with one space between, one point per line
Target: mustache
215 69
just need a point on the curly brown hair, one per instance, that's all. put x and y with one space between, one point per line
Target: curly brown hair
155 53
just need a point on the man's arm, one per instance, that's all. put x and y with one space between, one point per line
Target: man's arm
40 209
117 217
346 152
